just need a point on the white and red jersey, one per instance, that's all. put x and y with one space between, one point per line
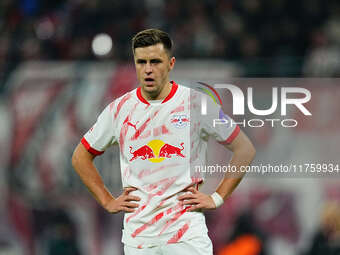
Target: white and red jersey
159 141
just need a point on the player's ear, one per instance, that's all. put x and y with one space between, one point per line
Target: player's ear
172 63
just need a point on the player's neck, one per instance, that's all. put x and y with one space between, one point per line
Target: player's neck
161 95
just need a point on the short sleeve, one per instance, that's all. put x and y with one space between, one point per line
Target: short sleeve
101 135
218 124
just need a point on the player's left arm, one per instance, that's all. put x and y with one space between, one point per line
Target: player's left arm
243 154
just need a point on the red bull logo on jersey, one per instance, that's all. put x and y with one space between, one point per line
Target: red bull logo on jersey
180 121
144 152
156 151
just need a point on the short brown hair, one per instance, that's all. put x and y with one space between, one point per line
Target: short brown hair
151 37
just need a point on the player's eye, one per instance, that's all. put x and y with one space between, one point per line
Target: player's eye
141 61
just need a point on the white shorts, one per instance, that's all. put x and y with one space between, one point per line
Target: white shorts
200 245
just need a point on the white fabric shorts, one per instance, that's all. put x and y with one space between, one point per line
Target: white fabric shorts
200 245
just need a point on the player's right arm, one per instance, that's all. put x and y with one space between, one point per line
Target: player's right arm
94 143
82 161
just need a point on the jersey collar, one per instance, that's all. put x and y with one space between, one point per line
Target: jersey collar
168 97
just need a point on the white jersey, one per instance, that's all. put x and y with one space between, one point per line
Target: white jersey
160 142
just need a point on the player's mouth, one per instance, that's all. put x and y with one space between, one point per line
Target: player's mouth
149 81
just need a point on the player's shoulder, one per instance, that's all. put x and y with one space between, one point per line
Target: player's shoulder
189 88
196 93
182 89
205 94
191 91
118 103
130 95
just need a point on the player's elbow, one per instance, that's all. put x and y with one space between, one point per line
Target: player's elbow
251 151
74 159
246 151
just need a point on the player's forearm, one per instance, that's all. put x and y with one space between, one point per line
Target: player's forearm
95 184
241 157
90 176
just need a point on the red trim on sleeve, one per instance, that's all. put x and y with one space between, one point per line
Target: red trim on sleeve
89 148
172 92
232 136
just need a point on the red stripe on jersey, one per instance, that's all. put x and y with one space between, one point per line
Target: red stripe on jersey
172 92
165 182
121 103
127 172
178 109
160 130
164 130
146 134
123 133
179 234
173 219
89 148
111 106
124 128
135 213
197 181
148 224
155 114
140 130
232 136
157 131
175 208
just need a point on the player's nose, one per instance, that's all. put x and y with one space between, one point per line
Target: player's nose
148 68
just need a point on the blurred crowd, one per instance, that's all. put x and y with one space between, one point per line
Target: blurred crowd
327 239
255 32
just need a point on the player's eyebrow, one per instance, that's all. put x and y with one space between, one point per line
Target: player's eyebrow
154 60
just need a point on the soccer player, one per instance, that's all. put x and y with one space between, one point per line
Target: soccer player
160 140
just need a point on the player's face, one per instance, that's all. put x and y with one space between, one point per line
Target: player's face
153 65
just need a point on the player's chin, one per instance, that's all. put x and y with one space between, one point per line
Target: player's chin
150 87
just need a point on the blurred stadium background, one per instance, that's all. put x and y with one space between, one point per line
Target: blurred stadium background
62 61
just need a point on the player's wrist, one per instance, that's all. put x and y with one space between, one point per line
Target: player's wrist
107 201
218 200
